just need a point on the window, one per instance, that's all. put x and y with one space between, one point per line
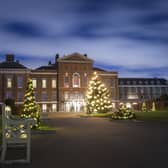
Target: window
19 81
66 80
44 96
146 82
44 83
128 82
54 107
158 82
20 96
152 82
121 82
76 80
53 83
54 95
34 82
44 107
66 96
112 81
9 82
85 79
8 94
140 82
134 82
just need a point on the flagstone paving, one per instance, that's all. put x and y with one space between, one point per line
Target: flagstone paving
99 143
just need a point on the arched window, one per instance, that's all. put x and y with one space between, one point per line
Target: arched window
76 80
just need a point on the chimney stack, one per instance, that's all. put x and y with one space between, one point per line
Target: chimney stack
85 55
10 58
56 58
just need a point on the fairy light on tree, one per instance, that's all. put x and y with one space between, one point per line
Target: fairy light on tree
30 107
98 97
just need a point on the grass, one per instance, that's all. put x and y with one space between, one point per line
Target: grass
104 115
157 116
152 116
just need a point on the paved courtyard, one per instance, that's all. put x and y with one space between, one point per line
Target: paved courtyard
99 143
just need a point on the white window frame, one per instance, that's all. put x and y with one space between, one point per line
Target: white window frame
73 82
44 83
54 83
9 82
34 83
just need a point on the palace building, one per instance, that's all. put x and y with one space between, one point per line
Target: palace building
62 85
59 86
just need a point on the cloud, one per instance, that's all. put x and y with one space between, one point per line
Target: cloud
127 33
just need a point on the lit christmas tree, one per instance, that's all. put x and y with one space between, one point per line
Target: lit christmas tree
153 106
30 107
144 108
98 97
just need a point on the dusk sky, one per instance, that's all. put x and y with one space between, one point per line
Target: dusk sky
128 36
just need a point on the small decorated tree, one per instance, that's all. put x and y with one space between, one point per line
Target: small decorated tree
123 113
98 97
30 107
144 108
153 106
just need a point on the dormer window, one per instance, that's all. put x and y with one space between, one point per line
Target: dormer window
76 80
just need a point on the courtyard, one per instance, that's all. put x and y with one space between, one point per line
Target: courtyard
97 142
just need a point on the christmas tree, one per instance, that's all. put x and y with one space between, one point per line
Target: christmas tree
153 106
98 97
144 108
30 107
123 113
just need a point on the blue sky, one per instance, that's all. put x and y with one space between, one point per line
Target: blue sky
128 36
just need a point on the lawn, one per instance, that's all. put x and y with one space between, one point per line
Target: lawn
152 116
96 115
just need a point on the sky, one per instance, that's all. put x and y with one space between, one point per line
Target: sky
128 36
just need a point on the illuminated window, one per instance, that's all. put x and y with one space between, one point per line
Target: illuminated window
54 107
44 83
44 107
66 95
54 84
19 81
9 82
76 80
66 80
34 82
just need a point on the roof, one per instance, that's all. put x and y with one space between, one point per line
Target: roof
142 81
98 69
48 67
16 65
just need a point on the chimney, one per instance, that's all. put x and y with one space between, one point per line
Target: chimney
10 58
49 62
56 57
85 55
17 61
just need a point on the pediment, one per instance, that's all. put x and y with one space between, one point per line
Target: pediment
75 57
